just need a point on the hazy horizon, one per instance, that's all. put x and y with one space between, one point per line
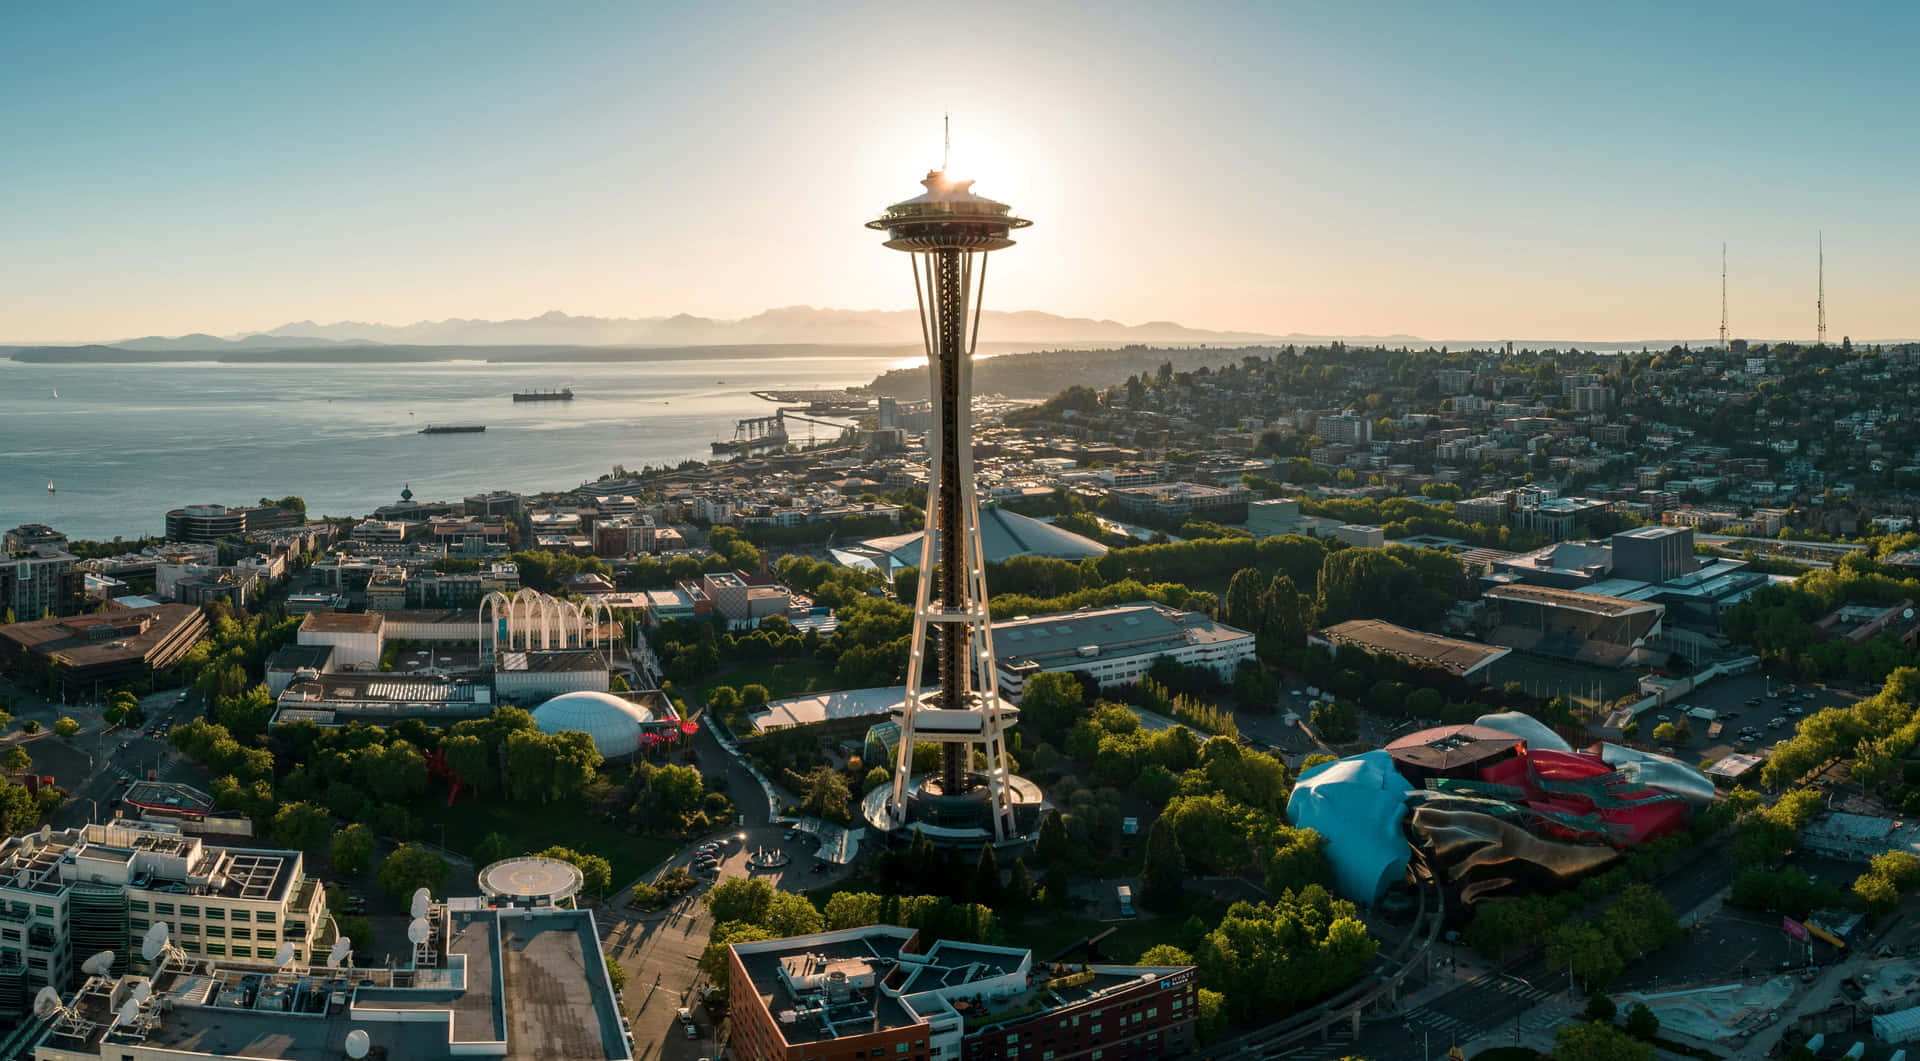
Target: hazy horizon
1400 170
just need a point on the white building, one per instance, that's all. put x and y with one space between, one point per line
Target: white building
1115 644
357 638
100 887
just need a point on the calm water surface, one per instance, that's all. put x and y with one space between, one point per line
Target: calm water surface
123 444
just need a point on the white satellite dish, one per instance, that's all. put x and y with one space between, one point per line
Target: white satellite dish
284 954
46 1003
358 1043
341 948
154 941
143 991
100 964
418 932
46 833
422 902
129 1012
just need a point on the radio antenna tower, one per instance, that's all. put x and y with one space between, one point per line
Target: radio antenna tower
1820 303
1723 297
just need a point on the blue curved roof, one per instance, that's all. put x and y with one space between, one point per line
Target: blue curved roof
1357 804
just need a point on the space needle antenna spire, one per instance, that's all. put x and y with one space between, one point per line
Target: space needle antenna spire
946 142
1723 296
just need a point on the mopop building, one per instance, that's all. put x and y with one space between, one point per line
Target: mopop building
947 231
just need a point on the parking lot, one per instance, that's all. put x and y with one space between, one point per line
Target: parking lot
1746 712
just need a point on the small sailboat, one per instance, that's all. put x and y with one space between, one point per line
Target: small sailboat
49 486
56 394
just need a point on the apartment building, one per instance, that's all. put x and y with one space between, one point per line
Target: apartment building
68 894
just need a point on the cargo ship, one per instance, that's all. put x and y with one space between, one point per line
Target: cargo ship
564 394
452 429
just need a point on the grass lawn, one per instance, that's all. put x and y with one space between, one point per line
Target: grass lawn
781 679
1047 934
536 827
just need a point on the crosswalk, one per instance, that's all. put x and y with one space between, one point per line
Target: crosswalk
1337 1044
1479 1006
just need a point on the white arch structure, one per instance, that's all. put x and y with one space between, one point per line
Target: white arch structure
531 621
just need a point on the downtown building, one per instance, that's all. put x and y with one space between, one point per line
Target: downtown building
1114 645
71 893
38 577
872 992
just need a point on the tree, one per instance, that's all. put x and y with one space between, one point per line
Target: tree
1213 1015
616 974
17 761
1163 876
302 826
1600 1007
351 850
1641 1023
595 872
827 794
1165 954
411 867
985 889
1053 849
1050 703
66 727
1019 890
1591 1041
492 848
714 961
878 777
743 899
792 914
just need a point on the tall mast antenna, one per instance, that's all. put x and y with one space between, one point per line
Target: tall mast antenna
1723 296
946 138
1820 304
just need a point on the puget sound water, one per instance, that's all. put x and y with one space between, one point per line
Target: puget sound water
122 444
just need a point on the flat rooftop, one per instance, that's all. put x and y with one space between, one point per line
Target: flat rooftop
526 987
1414 646
1592 603
827 707
1141 628
342 622
68 638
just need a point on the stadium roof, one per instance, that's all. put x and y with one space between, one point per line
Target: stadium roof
1593 603
1003 535
1457 657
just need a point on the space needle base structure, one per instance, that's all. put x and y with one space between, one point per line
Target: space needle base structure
973 796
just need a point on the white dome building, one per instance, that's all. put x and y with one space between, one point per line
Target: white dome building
614 724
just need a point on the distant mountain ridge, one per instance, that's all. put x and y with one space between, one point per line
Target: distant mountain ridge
789 324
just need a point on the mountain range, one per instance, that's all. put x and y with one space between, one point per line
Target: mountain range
792 324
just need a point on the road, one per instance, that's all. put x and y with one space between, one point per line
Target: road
660 951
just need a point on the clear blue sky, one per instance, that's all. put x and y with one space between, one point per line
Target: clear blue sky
1512 170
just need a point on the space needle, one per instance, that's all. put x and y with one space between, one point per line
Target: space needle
948 231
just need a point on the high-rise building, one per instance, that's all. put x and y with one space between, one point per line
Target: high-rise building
1348 429
37 575
948 231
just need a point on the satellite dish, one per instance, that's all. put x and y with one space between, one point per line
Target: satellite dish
418 932
341 947
46 1003
46 833
284 954
129 1012
1908 614
143 991
422 900
100 964
154 941
358 1043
